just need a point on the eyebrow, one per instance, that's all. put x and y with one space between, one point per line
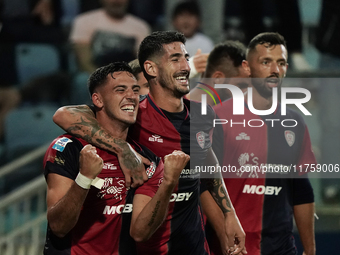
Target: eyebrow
280 59
120 86
179 55
124 86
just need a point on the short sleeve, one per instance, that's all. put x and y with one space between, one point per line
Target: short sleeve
62 157
81 31
303 191
306 156
150 187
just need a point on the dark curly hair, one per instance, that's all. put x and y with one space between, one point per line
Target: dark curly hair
98 77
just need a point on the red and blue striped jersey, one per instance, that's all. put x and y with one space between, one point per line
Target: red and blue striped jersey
98 230
264 201
183 230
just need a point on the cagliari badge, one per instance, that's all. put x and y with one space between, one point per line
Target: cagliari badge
290 137
200 139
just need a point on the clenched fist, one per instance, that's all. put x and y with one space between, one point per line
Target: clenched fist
173 166
91 164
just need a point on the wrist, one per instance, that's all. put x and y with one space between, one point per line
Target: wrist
121 147
171 183
310 251
230 213
83 181
86 182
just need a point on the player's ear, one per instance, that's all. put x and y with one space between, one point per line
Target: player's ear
218 74
245 66
97 100
218 77
150 68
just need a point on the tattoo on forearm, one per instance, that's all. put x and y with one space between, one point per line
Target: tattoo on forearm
89 129
129 159
103 143
216 189
93 127
154 213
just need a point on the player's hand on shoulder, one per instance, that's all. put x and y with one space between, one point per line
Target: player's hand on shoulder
91 164
133 167
173 166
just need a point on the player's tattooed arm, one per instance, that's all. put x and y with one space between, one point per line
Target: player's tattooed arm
216 185
80 121
219 193
234 231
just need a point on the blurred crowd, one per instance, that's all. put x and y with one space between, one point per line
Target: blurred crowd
49 47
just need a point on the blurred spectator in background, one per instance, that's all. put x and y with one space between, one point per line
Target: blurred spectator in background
287 22
141 80
107 34
224 66
328 36
24 21
88 5
31 21
152 11
9 99
186 18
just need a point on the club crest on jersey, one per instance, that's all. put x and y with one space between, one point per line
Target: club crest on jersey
61 143
200 139
290 137
151 170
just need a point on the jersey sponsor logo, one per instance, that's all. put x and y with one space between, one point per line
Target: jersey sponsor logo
242 136
119 209
156 138
61 143
179 197
151 170
109 166
290 137
189 171
261 189
200 137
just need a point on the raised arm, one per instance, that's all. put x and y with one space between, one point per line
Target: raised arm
149 213
80 121
65 197
234 230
